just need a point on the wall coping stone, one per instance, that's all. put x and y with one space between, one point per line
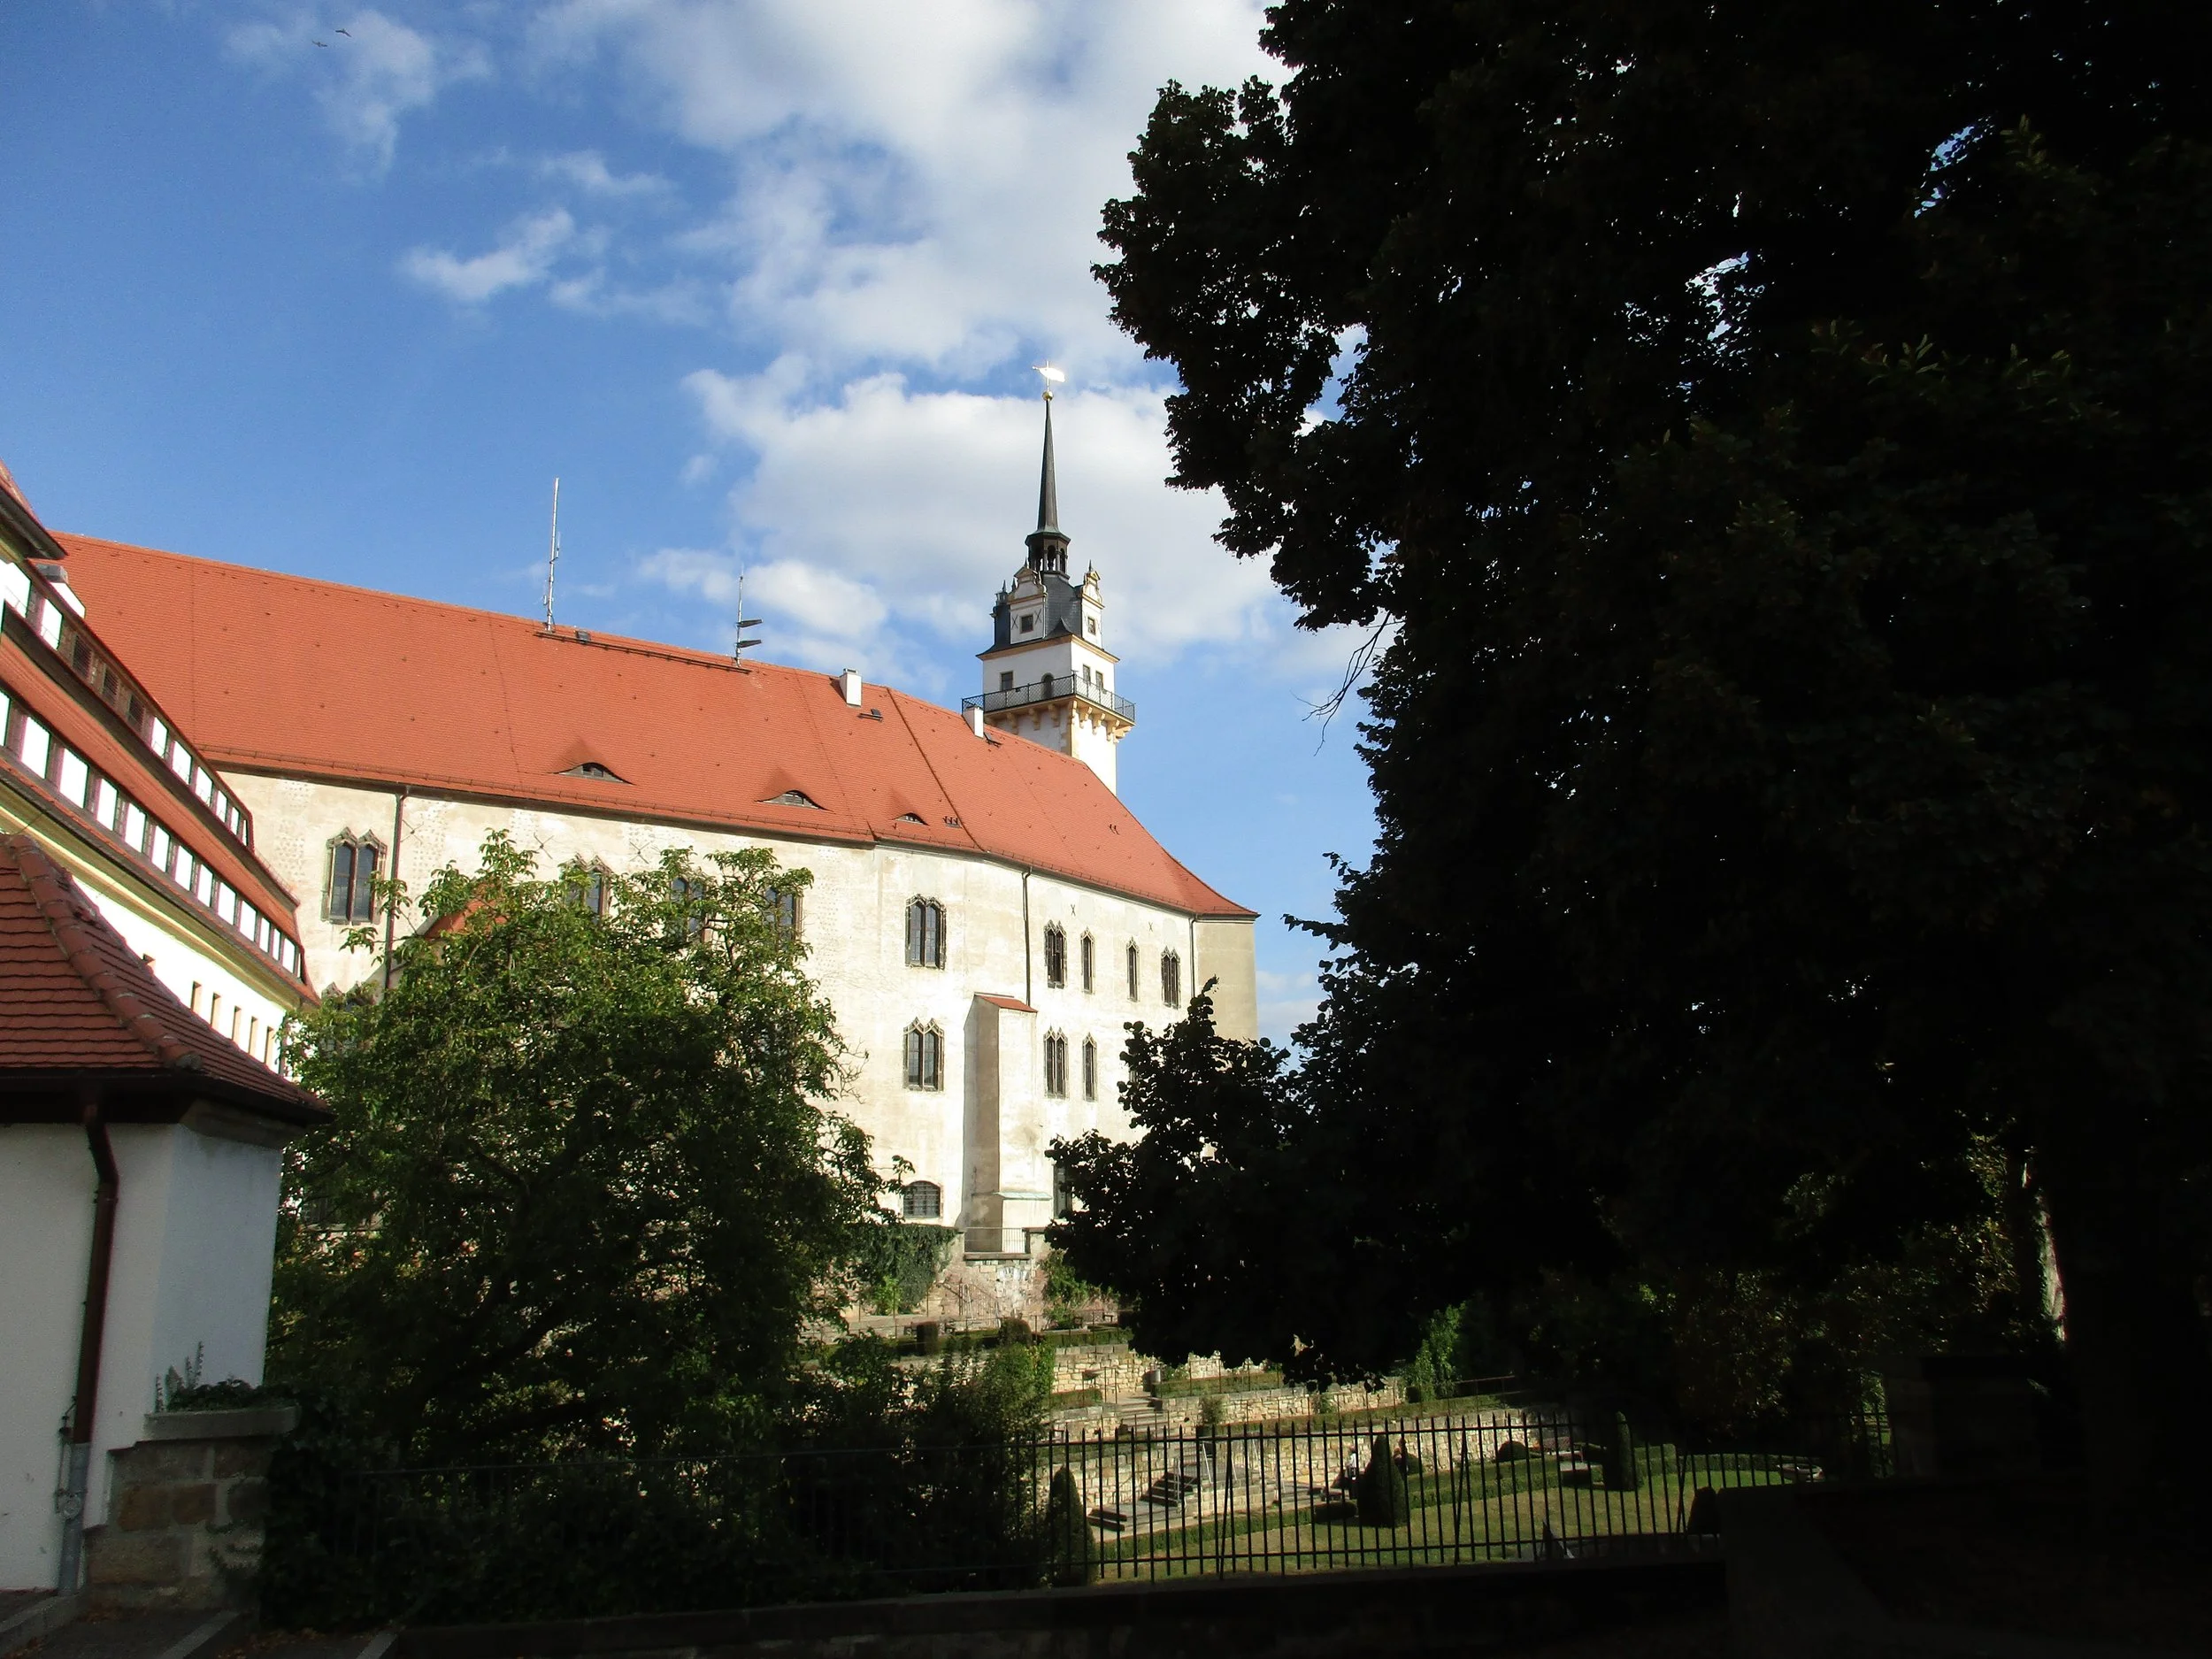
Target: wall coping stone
236 1423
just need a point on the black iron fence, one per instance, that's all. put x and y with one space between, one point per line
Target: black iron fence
580 1538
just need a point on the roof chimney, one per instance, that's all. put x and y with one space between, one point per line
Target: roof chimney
849 683
975 720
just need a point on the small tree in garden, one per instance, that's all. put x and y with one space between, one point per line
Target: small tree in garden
1067 1544
1385 1500
581 1191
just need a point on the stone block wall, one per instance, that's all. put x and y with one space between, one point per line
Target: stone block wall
186 1508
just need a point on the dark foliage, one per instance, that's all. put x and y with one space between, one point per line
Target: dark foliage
1778 436
1385 1496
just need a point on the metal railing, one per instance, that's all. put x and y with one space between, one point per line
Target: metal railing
1046 690
1494 1483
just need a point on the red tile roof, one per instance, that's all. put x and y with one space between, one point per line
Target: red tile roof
284 675
81 1005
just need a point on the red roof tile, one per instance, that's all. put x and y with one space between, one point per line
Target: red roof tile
80 1002
309 678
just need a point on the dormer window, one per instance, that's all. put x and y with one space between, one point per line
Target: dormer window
594 769
1090 626
1029 624
794 797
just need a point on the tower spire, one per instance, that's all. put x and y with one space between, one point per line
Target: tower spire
1048 547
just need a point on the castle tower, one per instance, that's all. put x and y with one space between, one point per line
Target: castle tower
1049 676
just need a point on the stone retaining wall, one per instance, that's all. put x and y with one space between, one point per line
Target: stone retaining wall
186 1512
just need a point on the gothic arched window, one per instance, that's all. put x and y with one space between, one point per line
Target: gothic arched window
781 906
350 896
1056 1065
1170 978
1090 962
1133 974
587 886
925 1057
921 1200
1090 1069
925 933
1056 955
690 895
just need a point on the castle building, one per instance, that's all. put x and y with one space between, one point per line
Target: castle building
985 915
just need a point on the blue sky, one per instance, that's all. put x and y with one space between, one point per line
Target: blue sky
339 290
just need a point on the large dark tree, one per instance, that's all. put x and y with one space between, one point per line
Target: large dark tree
1780 436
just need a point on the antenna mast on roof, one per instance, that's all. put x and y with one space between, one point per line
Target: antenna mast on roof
742 644
553 556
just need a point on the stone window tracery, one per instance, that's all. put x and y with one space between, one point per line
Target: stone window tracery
349 896
1170 978
1090 1069
1133 973
1055 955
1090 962
925 933
925 1057
1056 1066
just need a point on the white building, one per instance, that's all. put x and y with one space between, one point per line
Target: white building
985 915
146 957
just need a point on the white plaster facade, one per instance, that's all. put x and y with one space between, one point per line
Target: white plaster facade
982 1138
194 1234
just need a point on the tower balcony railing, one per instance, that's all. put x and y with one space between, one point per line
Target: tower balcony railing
1050 689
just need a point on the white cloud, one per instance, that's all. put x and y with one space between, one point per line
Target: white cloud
588 171
524 257
917 186
370 71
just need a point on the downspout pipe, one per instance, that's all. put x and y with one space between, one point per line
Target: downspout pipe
1029 991
391 898
83 1415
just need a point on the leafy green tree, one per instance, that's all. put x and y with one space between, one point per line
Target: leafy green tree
581 1191
1069 1550
1771 439
1384 1496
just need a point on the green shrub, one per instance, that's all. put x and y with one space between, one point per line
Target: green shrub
1385 1500
1068 1547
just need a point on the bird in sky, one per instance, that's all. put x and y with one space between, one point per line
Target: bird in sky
325 44
347 33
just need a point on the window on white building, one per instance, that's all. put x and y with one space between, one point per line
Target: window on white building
1056 1065
925 1057
1090 1069
1133 992
1170 978
921 1200
1090 962
1056 955
350 894
925 933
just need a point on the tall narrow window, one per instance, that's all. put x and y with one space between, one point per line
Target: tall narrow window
1090 1069
1056 955
690 895
1090 962
1133 974
351 895
926 935
1056 1065
781 905
1006 681
925 1057
921 1200
1170 978
587 885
